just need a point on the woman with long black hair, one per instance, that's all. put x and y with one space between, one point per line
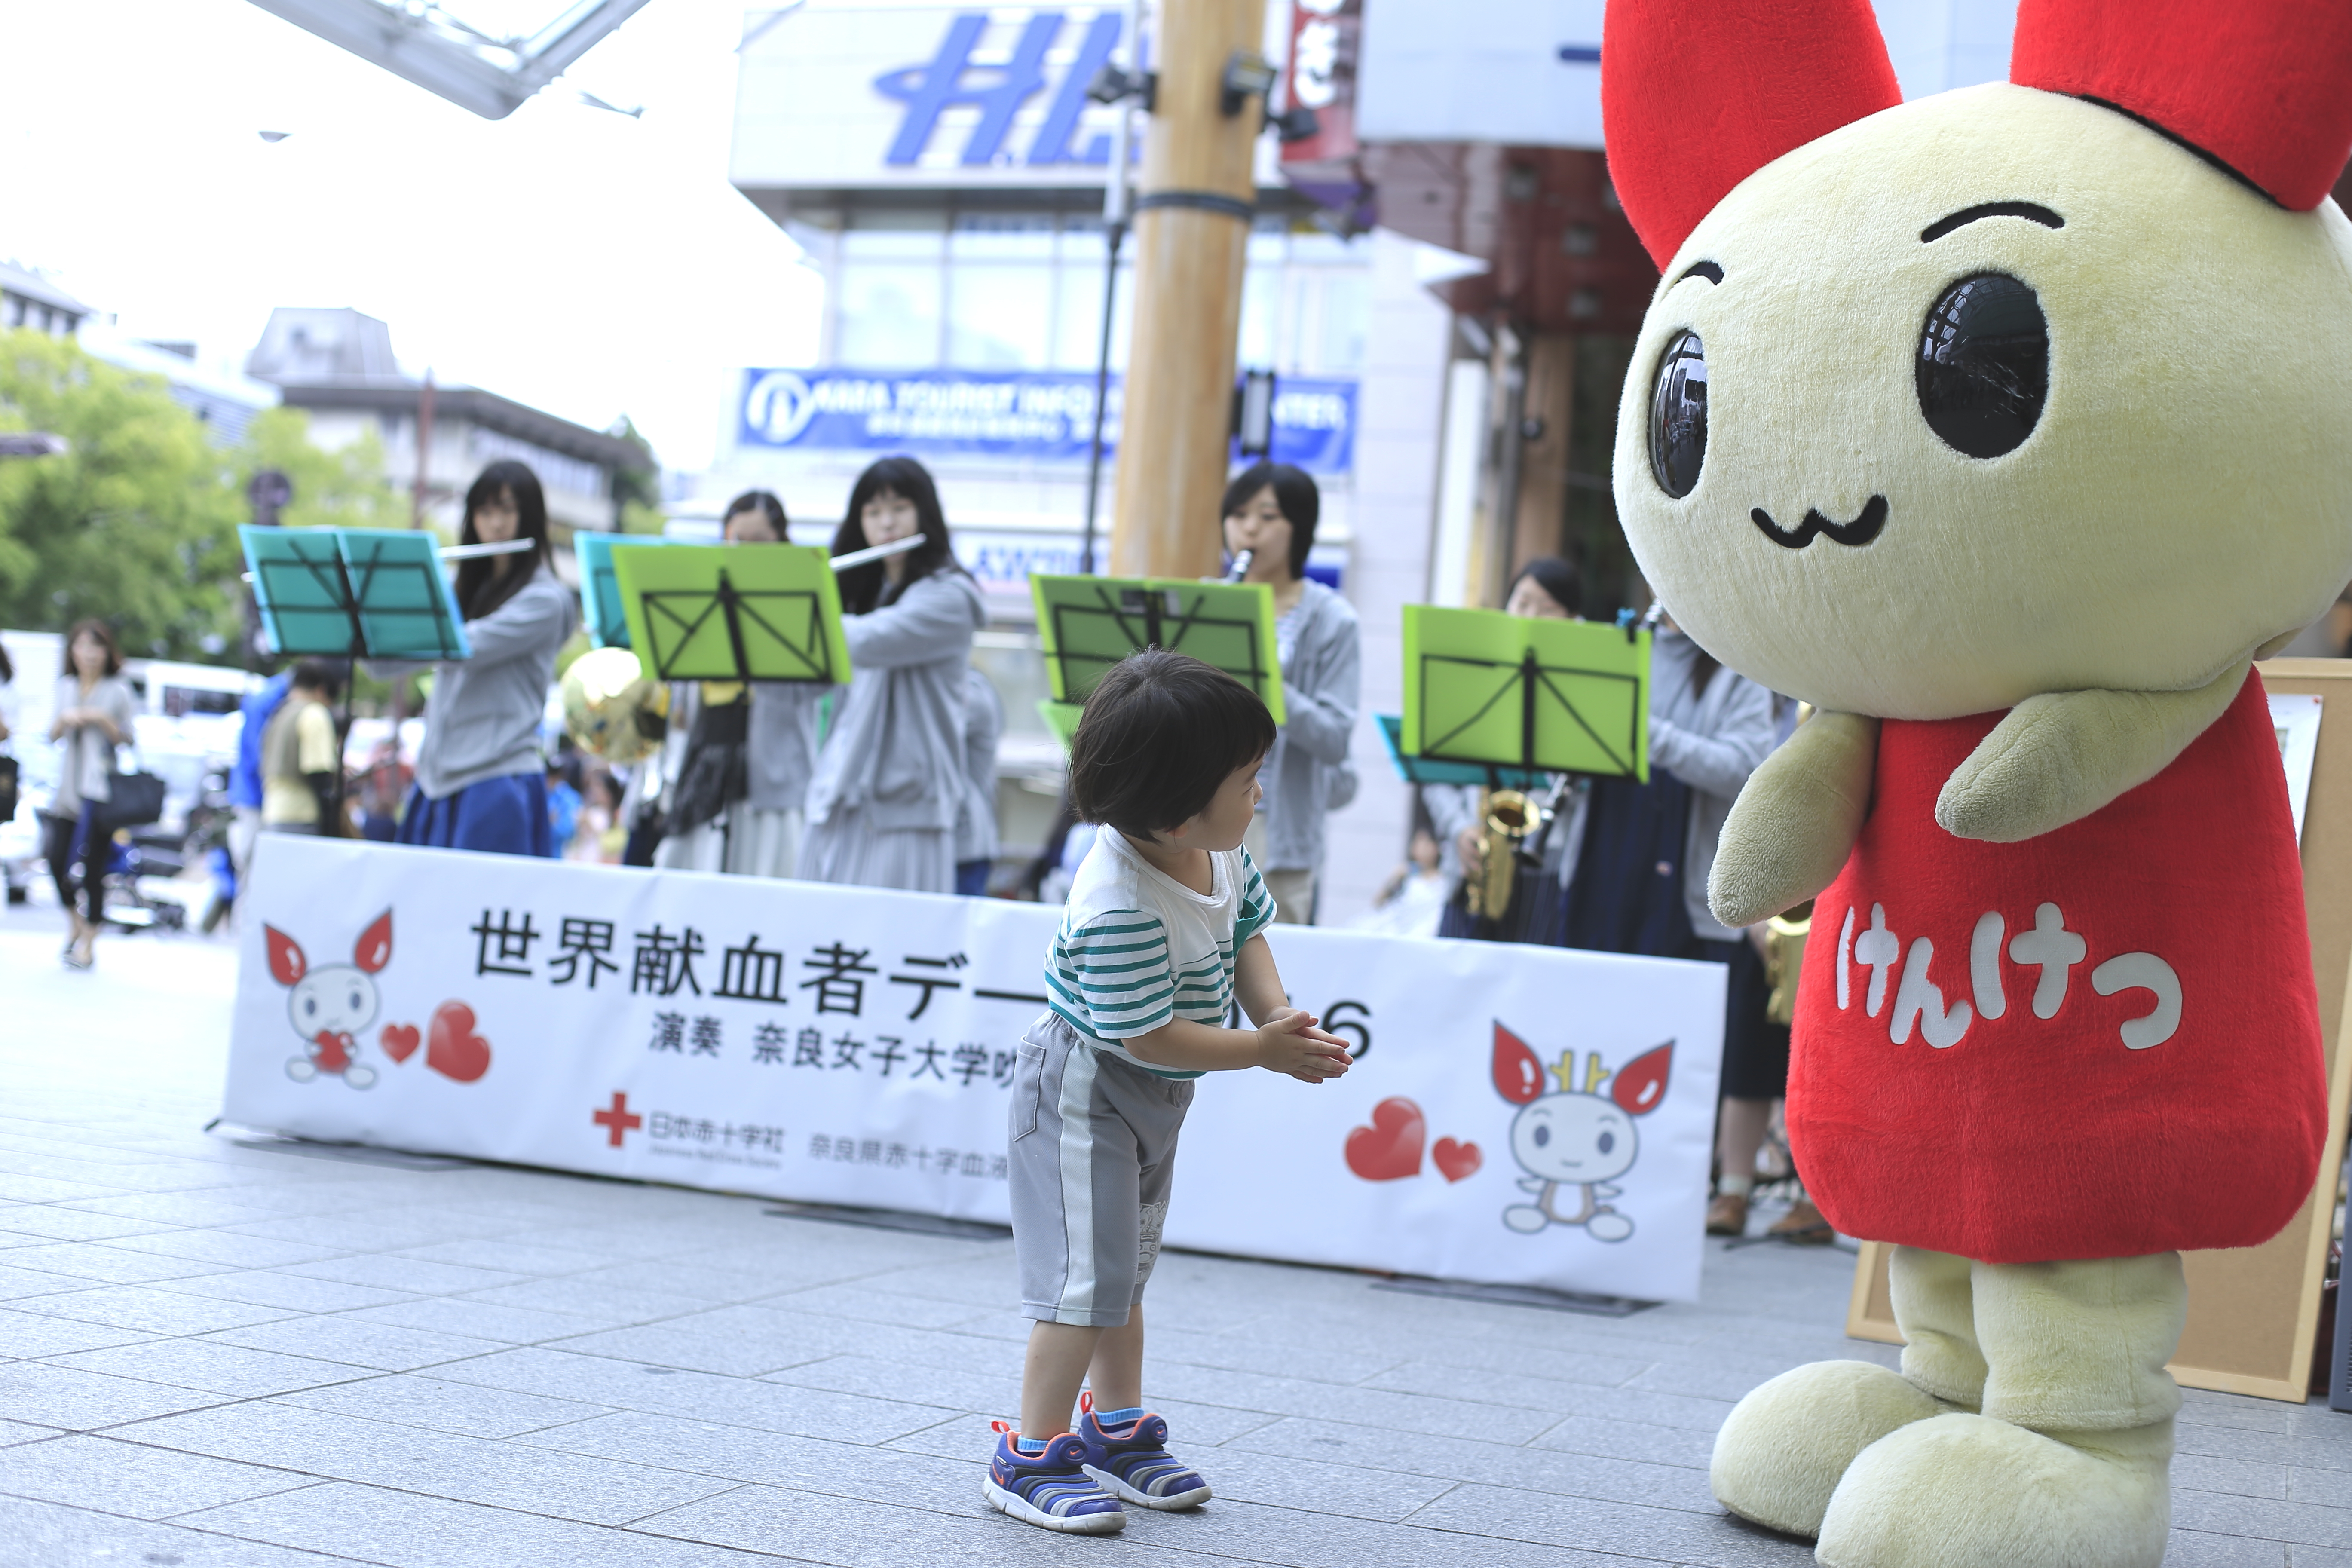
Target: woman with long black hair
481 780
883 805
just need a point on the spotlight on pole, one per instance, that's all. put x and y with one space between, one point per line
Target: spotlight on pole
1247 76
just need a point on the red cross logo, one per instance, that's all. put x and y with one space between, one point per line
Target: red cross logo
618 1117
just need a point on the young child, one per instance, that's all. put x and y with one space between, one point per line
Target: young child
1161 933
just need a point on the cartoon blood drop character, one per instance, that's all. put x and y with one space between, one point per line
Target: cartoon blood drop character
331 1005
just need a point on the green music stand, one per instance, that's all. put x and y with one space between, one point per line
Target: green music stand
733 612
1061 718
1499 691
1089 624
603 608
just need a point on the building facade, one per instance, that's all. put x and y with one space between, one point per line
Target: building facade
943 169
338 366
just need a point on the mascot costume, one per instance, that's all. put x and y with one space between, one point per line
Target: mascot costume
2006 427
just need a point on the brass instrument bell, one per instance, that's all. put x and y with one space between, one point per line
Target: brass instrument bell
1509 816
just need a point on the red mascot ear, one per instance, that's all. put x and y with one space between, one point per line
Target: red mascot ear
287 963
1518 1077
374 950
1696 97
1640 1085
2263 87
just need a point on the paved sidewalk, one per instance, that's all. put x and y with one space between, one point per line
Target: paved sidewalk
220 1355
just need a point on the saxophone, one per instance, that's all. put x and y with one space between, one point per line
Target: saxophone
1510 817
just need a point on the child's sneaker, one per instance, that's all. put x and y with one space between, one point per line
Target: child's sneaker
1051 1489
1131 1459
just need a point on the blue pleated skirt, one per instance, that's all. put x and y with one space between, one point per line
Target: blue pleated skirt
506 816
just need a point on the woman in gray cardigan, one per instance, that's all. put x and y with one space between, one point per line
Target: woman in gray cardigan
481 777
1270 511
883 805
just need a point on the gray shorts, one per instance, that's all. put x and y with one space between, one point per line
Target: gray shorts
1094 1150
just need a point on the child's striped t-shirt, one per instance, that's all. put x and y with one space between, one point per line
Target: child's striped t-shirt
1138 948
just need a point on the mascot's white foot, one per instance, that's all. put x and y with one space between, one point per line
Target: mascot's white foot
358 1077
1526 1218
1609 1225
1783 1449
1969 1491
301 1070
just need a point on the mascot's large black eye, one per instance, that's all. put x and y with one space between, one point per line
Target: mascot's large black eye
1984 364
1678 415
1542 1136
1607 1141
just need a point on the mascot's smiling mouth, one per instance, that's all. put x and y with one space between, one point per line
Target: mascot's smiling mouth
1861 530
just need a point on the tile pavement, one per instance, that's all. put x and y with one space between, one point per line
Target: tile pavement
234 1357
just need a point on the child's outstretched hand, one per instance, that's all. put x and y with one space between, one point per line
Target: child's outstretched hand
1288 1042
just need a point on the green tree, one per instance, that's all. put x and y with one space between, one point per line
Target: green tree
134 524
342 488
637 488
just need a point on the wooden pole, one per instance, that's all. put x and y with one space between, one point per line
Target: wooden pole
1191 238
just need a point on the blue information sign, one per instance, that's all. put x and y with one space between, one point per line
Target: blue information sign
1042 415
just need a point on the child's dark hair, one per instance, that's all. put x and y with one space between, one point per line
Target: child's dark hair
1161 735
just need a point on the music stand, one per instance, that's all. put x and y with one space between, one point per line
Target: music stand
1428 771
354 594
1061 718
733 612
1501 691
603 609
1089 624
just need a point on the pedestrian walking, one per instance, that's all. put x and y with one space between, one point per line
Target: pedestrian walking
481 782
1163 931
892 778
94 710
1270 513
255 711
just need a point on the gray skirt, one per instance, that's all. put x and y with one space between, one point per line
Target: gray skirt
844 849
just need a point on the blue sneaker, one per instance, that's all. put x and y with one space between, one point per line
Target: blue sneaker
1131 1461
1051 1489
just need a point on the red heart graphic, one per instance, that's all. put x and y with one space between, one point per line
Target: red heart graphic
399 1041
453 1050
1455 1161
1391 1146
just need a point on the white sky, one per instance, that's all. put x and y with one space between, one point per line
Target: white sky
574 260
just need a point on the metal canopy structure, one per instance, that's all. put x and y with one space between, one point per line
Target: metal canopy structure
424 43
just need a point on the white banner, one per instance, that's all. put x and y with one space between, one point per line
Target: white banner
1517 1115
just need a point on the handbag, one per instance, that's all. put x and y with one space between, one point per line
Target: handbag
132 800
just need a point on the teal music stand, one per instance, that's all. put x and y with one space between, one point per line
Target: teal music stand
603 609
1089 624
353 594
1428 771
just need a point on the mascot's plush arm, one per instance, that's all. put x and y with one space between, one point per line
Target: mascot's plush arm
1790 831
2059 757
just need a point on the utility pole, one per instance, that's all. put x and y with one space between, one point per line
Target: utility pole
1192 222
1128 85
418 492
